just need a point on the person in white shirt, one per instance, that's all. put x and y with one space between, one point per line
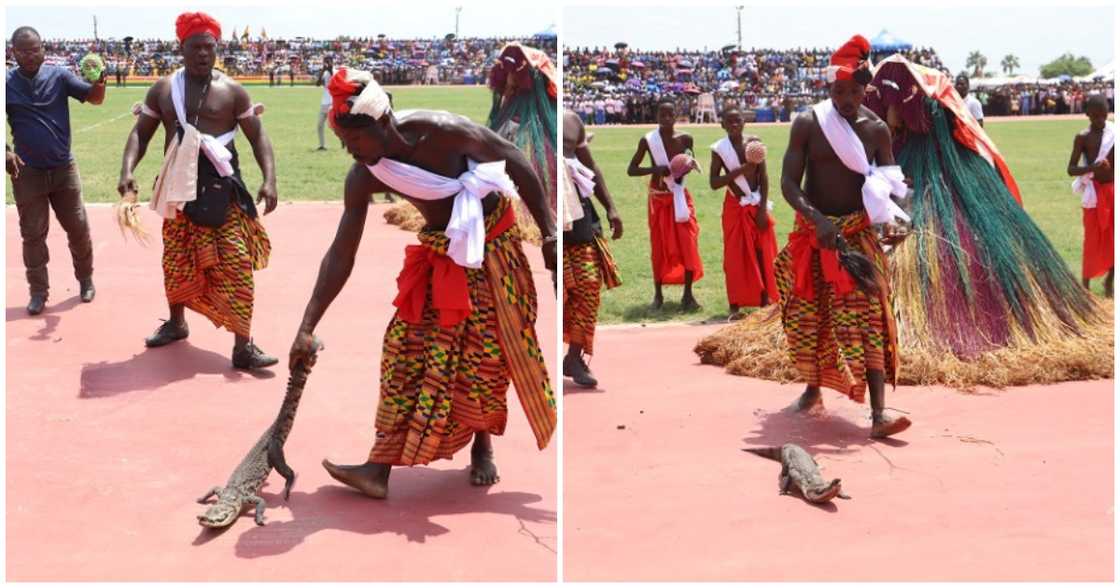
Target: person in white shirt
325 101
970 101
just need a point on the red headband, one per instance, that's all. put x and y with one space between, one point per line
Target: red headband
192 23
849 58
341 90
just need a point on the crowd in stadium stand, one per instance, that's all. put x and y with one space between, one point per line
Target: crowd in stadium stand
1064 97
290 61
624 86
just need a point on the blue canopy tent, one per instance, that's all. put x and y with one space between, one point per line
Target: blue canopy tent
549 33
886 42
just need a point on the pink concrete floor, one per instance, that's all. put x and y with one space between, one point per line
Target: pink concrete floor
1001 485
109 444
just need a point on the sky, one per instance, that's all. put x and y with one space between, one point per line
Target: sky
1035 34
316 19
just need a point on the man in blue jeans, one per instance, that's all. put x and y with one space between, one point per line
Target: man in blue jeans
44 173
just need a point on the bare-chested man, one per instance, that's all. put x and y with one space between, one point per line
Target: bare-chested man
1092 163
673 230
464 326
213 240
838 335
749 243
588 263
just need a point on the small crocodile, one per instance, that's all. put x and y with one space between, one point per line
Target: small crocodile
800 471
245 483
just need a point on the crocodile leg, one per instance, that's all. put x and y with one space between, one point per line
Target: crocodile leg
259 515
277 462
784 479
213 492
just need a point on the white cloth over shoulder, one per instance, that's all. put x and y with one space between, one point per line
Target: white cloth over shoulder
879 182
582 176
570 208
467 228
177 183
660 157
213 147
726 152
1083 185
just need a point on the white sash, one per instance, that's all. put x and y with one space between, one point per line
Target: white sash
726 152
570 208
582 176
1083 184
657 150
467 227
213 147
879 181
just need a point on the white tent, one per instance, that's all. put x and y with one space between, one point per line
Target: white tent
1107 73
1002 81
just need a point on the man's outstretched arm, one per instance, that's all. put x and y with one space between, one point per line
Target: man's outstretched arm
338 262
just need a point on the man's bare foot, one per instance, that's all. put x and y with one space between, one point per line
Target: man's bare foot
736 315
483 470
809 401
883 427
689 304
658 301
371 479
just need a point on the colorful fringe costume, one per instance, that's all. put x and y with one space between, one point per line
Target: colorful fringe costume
459 337
976 282
523 110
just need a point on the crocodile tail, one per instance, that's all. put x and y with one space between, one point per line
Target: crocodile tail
774 453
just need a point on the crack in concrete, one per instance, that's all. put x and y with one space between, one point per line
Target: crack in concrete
536 539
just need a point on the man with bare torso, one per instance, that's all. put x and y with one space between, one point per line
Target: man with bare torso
673 230
1092 161
749 242
838 334
213 240
588 263
464 325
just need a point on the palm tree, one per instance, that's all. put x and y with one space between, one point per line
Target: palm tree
977 62
1009 64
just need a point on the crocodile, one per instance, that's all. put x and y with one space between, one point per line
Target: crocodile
244 484
801 472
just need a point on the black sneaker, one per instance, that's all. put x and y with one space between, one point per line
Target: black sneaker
577 370
85 287
168 332
37 303
250 357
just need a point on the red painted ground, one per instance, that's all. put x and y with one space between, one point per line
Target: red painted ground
109 444
1011 485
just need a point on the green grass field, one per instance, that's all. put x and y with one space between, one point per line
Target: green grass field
99 134
1036 151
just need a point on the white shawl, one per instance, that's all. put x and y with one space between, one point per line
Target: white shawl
879 181
657 150
582 176
1083 185
177 183
726 152
467 227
